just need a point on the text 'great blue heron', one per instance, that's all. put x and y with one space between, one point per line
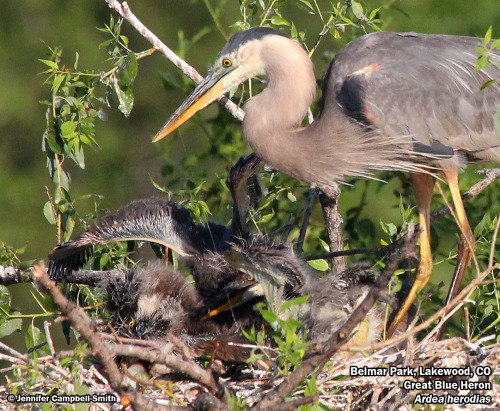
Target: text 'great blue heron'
391 101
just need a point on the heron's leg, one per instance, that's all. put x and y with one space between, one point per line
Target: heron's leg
467 239
423 186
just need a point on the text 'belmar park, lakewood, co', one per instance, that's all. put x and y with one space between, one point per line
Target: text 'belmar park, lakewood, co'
454 380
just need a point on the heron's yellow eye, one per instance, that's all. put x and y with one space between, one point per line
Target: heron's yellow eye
131 323
227 63
249 278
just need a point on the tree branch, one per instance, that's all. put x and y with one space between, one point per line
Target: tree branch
11 275
124 10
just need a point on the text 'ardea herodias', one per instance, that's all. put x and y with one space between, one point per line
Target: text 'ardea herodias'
391 101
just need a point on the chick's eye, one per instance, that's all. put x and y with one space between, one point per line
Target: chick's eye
227 63
249 278
131 324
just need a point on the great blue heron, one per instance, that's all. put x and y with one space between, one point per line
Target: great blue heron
391 101
232 271
156 302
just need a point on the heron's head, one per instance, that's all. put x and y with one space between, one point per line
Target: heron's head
240 59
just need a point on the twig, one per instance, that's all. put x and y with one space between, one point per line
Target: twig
329 199
294 404
443 311
323 352
11 275
305 222
12 351
124 10
46 327
188 368
84 325
491 174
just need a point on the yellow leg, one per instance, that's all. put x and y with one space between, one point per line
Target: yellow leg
423 185
467 240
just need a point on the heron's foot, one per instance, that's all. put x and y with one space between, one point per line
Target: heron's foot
423 276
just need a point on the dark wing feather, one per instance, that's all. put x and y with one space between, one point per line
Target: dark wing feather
154 220
421 85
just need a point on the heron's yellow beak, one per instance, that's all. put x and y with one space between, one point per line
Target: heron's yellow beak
207 91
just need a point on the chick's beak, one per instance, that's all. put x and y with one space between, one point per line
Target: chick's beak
238 298
207 91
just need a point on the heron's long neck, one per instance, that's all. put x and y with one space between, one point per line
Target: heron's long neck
274 116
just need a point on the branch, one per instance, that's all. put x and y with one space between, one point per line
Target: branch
11 275
329 199
492 174
323 352
191 369
124 10
84 325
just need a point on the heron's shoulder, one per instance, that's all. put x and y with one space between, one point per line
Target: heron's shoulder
403 40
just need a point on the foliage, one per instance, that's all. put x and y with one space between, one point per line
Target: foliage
287 333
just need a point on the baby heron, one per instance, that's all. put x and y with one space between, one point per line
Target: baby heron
391 101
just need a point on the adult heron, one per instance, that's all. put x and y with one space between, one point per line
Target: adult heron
391 101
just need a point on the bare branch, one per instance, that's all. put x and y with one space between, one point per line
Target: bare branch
189 368
124 10
329 198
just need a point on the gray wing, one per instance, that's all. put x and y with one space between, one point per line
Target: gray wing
421 85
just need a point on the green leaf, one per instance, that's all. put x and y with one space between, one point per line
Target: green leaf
34 337
325 245
320 265
293 32
483 225
374 13
357 9
266 218
295 301
482 62
9 326
487 37
58 80
48 212
4 297
291 197
495 44
126 99
311 388
307 4
268 316
68 128
127 71
105 258
50 63
70 225
279 21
